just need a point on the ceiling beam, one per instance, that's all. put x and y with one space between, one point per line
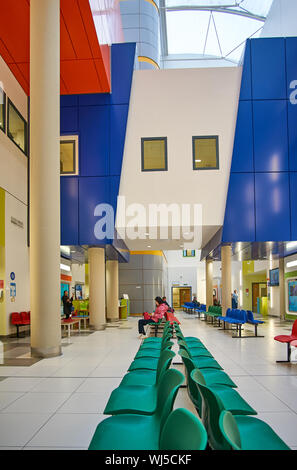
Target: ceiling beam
217 9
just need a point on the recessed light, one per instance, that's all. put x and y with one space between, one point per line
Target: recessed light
149 246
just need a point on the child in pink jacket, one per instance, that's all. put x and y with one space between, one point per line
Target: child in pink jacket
161 309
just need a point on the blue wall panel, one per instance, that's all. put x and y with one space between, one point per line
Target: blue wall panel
291 60
92 191
292 131
243 156
94 140
272 207
268 69
246 82
100 120
239 224
69 120
271 135
293 194
118 121
69 210
122 64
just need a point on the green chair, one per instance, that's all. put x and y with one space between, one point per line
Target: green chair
139 432
149 377
155 339
201 362
248 433
211 377
154 344
183 431
135 399
215 399
197 351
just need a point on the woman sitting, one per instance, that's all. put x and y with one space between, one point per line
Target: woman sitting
161 309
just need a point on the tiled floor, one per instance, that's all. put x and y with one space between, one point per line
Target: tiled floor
57 403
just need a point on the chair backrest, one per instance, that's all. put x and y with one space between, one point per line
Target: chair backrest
228 312
168 387
183 431
249 315
15 317
294 329
191 386
164 363
229 430
212 407
243 316
24 316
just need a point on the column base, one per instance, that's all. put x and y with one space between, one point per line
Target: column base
97 327
46 352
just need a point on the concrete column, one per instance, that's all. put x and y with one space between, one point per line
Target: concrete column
209 282
97 288
112 290
282 299
45 177
226 278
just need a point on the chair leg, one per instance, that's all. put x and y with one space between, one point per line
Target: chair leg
288 355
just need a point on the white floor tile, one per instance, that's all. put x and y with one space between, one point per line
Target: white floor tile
16 429
6 398
18 384
37 403
67 431
85 403
58 384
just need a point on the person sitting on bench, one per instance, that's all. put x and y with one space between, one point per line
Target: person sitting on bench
161 309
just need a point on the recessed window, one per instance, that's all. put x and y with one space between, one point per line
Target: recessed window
154 154
2 109
16 127
69 155
206 153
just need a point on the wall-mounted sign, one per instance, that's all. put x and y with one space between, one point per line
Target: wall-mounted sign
12 291
12 276
292 292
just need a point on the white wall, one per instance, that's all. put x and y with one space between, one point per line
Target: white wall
180 104
16 258
281 20
13 163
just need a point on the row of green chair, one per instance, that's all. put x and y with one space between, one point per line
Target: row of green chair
226 416
213 312
141 407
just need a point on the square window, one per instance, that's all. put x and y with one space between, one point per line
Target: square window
2 109
154 154
69 155
206 153
17 127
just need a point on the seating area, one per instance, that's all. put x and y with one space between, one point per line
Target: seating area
228 419
288 340
141 409
20 319
234 317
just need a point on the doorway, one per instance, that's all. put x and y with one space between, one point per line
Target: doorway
180 295
259 289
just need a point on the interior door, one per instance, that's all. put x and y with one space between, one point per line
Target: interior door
185 295
256 294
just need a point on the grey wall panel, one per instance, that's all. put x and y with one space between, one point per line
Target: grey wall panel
133 293
151 291
136 306
149 306
130 7
152 262
152 276
131 276
136 262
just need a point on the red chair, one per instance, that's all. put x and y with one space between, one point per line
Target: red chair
16 321
288 339
25 318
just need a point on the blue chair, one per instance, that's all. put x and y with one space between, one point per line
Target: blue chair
251 320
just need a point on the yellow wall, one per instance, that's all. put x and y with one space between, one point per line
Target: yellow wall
247 284
2 261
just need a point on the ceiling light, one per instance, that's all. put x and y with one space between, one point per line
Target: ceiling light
65 267
291 264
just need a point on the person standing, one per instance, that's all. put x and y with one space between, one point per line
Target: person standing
67 305
235 299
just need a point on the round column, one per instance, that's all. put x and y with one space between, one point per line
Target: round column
226 277
97 288
45 177
209 282
282 294
112 290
